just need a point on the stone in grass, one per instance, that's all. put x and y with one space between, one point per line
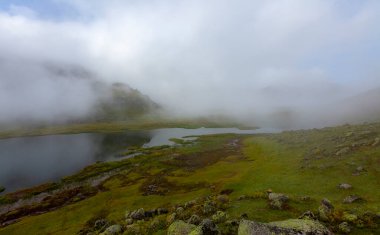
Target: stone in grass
277 200
345 186
180 228
113 230
325 210
209 207
207 226
352 198
194 219
344 228
138 214
290 227
219 217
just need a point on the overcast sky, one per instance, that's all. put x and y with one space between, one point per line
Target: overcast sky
195 56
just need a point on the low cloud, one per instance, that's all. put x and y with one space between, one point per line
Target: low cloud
248 59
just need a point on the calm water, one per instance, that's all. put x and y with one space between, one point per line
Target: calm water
29 161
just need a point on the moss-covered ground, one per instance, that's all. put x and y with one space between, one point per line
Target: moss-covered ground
305 165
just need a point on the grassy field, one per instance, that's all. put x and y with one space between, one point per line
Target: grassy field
307 166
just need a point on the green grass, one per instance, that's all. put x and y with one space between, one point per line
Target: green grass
263 162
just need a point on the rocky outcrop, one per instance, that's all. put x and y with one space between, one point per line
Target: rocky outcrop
286 227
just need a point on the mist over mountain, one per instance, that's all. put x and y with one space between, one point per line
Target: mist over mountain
57 93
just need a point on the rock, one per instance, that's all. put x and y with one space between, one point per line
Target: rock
194 219
343 151
162 211
209 207
344 228
113 230
190 204
288 227
2 189
277 200
344 186
138 214
180 228
206 227
308 215
219 217
101 224
360 169
129 221
179 211
325 210
352 199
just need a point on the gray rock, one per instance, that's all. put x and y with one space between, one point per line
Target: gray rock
352 198
208 227
345 186
138 214
179 210
101 224
308 215
113 230
180 228
190 204
194 219
286 227
277 200
129 221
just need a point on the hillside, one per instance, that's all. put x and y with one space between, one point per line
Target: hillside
329 178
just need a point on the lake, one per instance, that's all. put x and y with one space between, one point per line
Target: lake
29 161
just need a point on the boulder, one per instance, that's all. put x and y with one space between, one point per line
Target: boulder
277 200
180 228
344 186
286 227
113 230
352 198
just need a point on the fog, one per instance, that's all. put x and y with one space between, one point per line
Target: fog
287 63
